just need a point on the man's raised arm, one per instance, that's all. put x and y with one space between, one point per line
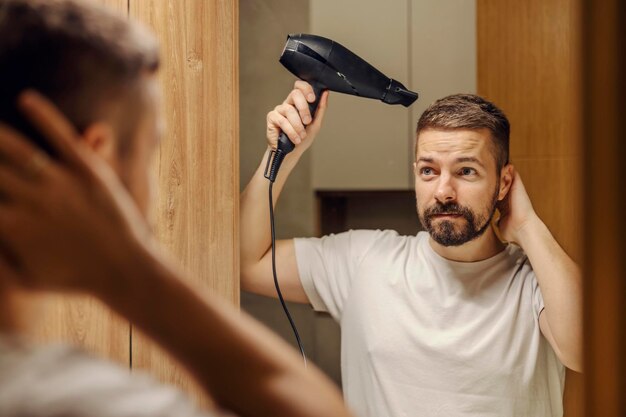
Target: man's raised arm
256 264
70 225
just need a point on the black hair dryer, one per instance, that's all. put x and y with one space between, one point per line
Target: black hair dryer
327 65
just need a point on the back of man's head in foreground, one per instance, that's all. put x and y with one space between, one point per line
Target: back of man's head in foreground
83 57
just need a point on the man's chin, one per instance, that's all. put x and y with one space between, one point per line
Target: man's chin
446 234
447 240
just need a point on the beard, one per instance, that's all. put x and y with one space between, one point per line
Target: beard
450 232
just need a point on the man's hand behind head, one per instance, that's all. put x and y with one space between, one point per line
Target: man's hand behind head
69 208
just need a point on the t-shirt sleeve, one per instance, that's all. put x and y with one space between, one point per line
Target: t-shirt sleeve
537 297
328 265
531 284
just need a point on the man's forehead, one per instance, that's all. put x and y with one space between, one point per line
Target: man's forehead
456 142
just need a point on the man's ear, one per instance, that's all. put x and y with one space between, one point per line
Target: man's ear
101 138
506 180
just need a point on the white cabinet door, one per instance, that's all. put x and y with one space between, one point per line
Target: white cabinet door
363 143
429 46
442 50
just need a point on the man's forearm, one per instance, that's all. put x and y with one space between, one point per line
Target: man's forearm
243 366
560 281
254 209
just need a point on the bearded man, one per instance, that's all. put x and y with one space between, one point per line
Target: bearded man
455 320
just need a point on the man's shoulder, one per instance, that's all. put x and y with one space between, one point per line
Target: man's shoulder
60 379
516 256
361 240
376 235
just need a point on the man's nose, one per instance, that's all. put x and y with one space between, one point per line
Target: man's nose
445 190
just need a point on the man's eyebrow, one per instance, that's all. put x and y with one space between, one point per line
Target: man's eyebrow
462 159
470 159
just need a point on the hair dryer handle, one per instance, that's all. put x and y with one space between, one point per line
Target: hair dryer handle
286 145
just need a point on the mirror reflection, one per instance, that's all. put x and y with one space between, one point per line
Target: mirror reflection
431 267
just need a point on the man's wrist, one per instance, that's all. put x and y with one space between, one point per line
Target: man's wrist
288 164
529 230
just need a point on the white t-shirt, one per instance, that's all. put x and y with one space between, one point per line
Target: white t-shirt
425 336
61 381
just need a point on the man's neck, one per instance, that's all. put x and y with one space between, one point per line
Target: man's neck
481 248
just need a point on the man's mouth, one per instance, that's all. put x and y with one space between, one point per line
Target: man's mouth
442 215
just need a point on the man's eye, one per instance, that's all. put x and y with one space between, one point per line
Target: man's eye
426 171
467 171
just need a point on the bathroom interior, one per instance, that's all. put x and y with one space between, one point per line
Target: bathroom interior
551 65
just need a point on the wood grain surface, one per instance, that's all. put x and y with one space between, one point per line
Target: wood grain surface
198 163
529 65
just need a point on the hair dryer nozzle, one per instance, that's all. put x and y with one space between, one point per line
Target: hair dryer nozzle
398 94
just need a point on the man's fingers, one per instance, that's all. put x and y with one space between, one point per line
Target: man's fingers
306 89
321 111
294 119
8 224
54 126
300 102
15 149
277 119
14 187
517 180
11 270
7 269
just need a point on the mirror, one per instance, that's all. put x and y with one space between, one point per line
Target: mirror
359 173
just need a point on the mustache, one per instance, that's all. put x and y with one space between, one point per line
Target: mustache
447 208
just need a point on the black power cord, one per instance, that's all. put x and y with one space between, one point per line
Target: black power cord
280 295
274 161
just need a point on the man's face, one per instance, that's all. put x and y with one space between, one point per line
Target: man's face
456 184
135 161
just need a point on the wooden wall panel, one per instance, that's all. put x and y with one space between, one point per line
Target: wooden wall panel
85 321
529 65
198 162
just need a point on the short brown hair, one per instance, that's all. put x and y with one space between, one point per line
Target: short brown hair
469 111
79 54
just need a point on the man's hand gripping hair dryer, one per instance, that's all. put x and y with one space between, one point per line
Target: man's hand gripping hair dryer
327 65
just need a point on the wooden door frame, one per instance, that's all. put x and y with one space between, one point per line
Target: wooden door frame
604 90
